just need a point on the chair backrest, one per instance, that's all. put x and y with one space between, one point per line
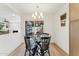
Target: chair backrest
45 41
27 42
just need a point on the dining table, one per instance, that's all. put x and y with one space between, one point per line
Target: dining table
36 43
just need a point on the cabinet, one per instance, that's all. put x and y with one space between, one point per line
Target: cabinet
32 27
74 29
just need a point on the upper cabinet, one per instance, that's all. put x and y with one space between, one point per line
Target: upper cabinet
74 11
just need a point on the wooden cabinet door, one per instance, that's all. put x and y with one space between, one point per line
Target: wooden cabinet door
74 36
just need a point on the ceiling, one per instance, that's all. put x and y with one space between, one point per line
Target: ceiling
26 8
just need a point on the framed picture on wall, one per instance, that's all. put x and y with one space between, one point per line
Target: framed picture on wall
63 20
4 26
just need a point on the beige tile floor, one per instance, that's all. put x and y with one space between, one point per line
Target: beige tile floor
53 51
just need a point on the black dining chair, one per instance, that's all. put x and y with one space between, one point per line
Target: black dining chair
45 44
27 45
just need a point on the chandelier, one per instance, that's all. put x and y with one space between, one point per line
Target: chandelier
37 14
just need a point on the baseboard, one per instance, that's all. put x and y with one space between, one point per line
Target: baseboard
61 50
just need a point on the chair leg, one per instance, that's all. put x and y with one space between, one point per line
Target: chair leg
30 54
48 52
25 52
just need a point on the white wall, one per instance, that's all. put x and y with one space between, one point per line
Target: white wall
49 26
10 41
62 33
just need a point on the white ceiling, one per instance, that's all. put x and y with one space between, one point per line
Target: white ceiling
26 8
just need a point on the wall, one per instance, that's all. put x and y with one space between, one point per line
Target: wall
8 42
62 33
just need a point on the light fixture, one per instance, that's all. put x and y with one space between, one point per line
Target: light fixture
37 14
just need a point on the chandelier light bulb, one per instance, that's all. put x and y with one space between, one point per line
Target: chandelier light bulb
36 13
41 14
32 15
